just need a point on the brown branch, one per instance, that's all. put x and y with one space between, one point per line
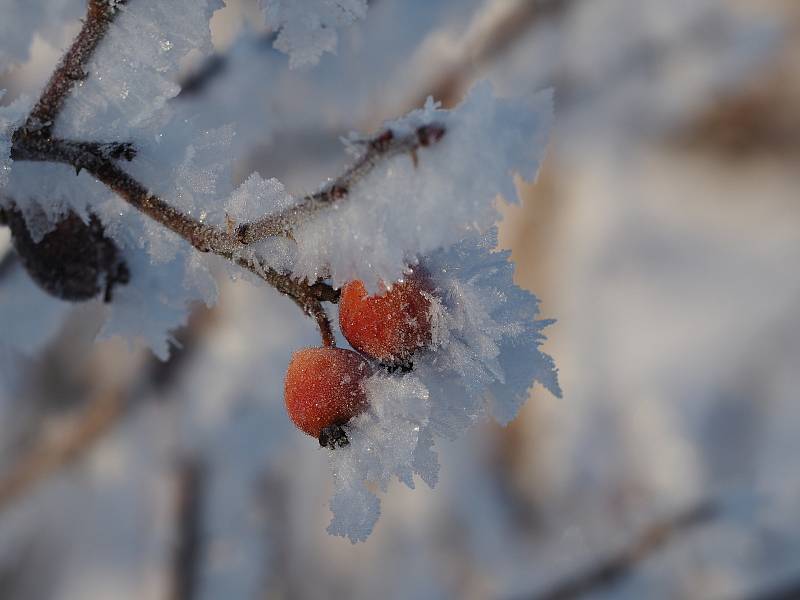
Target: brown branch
207 238
615 568
71 69
308 297
381 147
34 142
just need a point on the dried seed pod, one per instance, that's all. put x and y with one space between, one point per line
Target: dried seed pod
74 261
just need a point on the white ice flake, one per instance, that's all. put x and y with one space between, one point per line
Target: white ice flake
308 28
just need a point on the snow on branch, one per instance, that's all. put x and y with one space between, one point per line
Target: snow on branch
421 191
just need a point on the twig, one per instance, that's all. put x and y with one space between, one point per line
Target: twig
382 147
308 297
615 568
205 237
34 142
71 69
189 535
51 455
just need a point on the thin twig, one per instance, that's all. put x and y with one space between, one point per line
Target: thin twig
381 147
615 568
484 47
71 69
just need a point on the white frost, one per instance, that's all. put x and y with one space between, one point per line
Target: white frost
21 20
307 28
10 117
400 211
485 359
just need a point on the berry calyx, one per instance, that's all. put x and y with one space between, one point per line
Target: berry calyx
389 326
323 391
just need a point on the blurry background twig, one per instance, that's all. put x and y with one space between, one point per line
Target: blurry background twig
607 572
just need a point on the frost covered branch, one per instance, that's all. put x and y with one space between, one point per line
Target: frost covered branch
34 142
70 70
379 148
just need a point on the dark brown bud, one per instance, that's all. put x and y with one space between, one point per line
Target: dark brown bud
74 261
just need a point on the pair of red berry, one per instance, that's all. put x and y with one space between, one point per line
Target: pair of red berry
323 388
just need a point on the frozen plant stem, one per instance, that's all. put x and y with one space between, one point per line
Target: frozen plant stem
71 69
34 141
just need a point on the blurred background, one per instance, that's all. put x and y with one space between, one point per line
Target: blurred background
662 234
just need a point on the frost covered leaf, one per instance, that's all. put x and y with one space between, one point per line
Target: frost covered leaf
485 358
402 210
307 28
190 170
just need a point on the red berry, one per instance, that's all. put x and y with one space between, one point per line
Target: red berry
323 388
389 326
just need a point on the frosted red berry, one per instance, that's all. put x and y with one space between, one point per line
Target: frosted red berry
388 326
323 388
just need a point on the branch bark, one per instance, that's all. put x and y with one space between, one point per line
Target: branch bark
71 69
